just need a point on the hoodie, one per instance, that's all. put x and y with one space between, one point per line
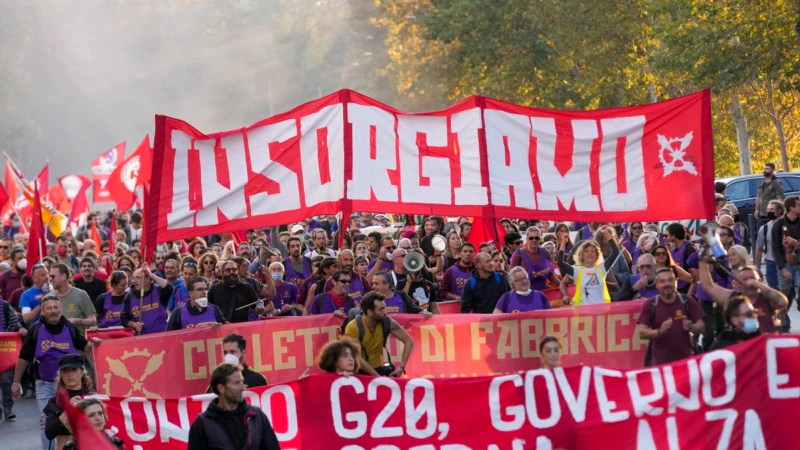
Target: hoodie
245 428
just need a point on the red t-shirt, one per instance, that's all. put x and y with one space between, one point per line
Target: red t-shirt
676 343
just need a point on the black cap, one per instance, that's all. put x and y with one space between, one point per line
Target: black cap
70 361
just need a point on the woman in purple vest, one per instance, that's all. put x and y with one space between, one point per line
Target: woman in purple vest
154 303
108 306
522 298
196 312
457 276
535 260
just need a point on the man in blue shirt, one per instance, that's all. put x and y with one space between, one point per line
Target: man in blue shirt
30 301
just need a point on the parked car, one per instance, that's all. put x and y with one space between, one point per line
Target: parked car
742 190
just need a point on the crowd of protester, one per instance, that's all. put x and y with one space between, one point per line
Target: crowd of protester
360 271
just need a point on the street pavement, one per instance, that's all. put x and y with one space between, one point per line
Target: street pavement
23 432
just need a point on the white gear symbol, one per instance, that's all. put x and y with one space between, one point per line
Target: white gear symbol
679 162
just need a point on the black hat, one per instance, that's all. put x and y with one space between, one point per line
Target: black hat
70 361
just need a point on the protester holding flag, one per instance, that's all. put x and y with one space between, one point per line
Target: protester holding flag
95 411
144 309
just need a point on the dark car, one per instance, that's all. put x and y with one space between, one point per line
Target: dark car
742 190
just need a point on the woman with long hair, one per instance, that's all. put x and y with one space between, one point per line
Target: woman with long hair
738 257
108 306
207 264
452 250
197 247
432 226
590 270
562 230
664 259
124 260
95 412
72 377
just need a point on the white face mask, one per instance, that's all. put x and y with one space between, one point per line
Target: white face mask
22 264
525 292
202 302
231 359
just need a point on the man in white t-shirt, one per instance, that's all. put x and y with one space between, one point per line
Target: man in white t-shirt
775 211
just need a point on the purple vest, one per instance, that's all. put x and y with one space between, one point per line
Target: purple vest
677 256
285 294
323 304
516 303
395 305
630 246
180 297
587 233
356 289
154 317
458 279
386 266
110 313
294 277
537 283
643 293
50 349
188 320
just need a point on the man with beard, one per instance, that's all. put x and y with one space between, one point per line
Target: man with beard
769 189
397 302
93 286
358 283
77 306
196 312
232 294
320 239
153 316
298 267
669 321
264 290
234 350
457 276
52 337
742 323
644 282
230 422
337 301
767 302
11 279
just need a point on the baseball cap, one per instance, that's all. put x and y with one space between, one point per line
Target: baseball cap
297 228
70 362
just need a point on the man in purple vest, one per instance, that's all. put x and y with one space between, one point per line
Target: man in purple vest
456 276
522 298
644 282
153 317
297 266
196 312
52 337
285 299
358 283
337 301
384 260
397 302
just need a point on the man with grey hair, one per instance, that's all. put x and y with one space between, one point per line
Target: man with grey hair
483 290
644 282
397 302
522 298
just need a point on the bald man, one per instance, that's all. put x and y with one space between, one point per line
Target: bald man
153 315
359 285
482 291
89 245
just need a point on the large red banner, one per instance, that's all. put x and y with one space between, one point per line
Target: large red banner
479 157
743 397
10 345
444 346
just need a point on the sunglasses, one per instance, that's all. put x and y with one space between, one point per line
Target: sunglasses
660 253
343 281
4 247
391 247
534 238
749 313
636 227
645 266
724 235
518 243
190 264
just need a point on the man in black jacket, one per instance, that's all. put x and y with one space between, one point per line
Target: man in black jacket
484 288
230 422
742 323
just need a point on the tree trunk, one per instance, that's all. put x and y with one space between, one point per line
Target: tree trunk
742 134
778 123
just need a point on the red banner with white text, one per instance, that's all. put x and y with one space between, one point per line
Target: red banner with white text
743 397
456 345
10 345
480 157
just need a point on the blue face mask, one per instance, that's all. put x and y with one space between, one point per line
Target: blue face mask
750 326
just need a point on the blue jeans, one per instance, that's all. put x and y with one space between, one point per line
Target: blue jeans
45 390
772 275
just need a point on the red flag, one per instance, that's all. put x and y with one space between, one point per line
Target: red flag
83 433
37 241
43 179
96 235
80 204
112 240
123 180
238 237
11 185
3 198
58 199
486 231
145 163
102 166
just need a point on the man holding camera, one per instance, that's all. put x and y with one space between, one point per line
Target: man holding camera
372 328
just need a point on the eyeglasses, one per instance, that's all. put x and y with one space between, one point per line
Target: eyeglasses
517 243
724 235
645 266
635 227
4 247
208 262
534 238
522 278
343 281
200 289
749 313
391 247
660 253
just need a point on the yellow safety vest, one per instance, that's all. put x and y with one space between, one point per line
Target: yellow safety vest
592 286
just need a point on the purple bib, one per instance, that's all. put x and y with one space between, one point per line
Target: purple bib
180 297
587 233
285 294
516 303
154 317
459 279
188 320
323 304
50 349
643 293
395 305
677 256
110 313
294 277
356 289
537 283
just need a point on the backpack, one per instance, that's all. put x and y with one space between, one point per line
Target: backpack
358 315
497 279
648 356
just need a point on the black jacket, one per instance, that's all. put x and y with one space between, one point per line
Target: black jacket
480 295
115 441
730 337
246 428
53 427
